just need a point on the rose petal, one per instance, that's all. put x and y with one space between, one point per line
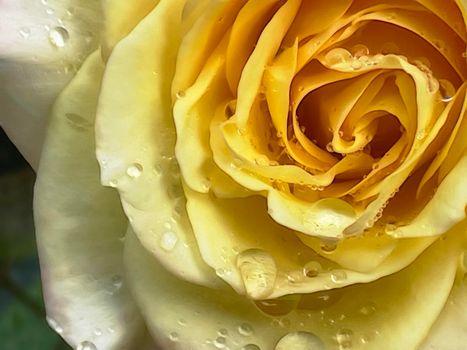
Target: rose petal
193 317
135 142
79 227
32 70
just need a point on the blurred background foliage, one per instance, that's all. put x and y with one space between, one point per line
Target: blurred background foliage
23 322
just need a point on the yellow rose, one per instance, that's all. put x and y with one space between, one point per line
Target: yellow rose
267 154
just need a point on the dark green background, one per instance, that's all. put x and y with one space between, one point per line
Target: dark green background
22 315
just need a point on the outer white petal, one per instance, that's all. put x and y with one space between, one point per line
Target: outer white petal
80 226
32 69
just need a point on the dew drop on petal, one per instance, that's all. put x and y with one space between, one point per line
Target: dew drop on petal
300 341
338 56
368 309
134 171
59 37
86 345
338 276
220 342
180 94
174 336
328 246
258 270
447 90
251 347
245 329
222 332
360 50
344 338
312 269
168 240
25 32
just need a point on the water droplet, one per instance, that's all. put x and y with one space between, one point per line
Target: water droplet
241 131
295 276
330 148
182 322
113 183
258 271
54 325
70 12
219 342
245 329
251 347
117 282
344 338
278 307
328 246
447 90
86 345
390 228
356 64
300 341
360 50
134 171
206 185
223 332
98 332
58 37
338 56
375 166
44 2
25 32
180 94
368 309
312 269
49 11
168 241
421 134
338 276
174 336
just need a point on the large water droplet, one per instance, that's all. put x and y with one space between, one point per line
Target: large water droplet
258 271
338 56
168 241
134 170
58 37
86 345
245 329
328 246
312 269
338 276
360 50
447 90
300 341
